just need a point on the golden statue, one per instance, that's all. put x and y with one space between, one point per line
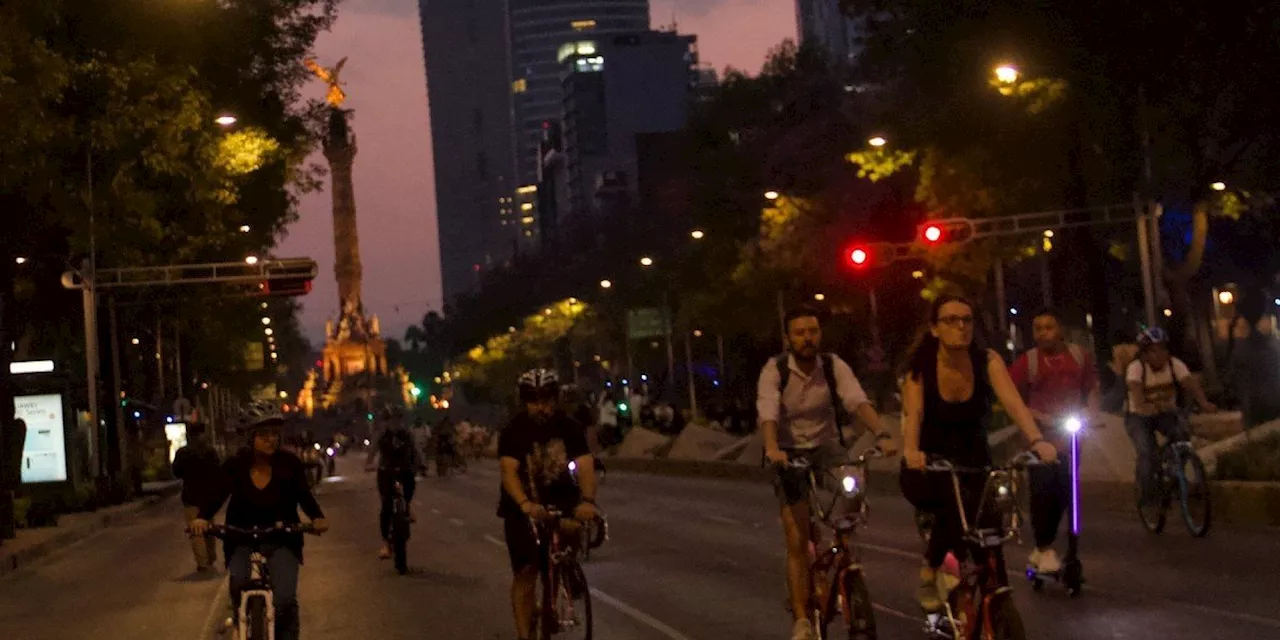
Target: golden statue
336 95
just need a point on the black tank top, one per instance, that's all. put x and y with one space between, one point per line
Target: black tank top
957 430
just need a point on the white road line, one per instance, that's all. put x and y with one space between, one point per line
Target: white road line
901 553
457 522
212 619
724 520
435 511
639 616
897 614
494 540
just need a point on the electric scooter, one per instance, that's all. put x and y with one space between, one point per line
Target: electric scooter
1071 575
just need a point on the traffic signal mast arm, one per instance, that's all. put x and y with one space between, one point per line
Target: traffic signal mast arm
265 270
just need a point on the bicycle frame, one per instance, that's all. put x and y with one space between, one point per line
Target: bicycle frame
259 586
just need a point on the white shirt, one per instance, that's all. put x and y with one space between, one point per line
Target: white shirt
1159 387
803 410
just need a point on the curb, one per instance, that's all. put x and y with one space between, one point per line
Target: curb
12 562
1243 504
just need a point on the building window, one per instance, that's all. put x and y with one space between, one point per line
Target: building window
520 86
583 25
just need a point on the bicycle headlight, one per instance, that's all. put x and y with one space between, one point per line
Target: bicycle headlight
1073 424
329 451
850 484
573 465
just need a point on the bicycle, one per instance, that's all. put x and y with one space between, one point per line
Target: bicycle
1177 467
255 612
562 594
836 580
981 606
596 532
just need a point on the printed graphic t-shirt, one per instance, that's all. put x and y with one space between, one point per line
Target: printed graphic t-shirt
543 450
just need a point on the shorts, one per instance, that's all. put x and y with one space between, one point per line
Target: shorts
792 485
522 547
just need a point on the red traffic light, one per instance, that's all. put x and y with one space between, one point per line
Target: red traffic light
932 233
859 257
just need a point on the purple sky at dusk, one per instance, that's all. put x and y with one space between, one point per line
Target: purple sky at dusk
394 184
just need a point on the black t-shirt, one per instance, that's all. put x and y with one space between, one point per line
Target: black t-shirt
396 450
544 450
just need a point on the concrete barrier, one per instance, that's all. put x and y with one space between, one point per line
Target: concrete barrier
1210 454
697 442
642 443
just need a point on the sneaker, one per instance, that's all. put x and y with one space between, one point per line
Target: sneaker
946 583
1048 562
927 593
385 552
802 630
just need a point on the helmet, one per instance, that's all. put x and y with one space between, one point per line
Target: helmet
269 421
536 384
1152 335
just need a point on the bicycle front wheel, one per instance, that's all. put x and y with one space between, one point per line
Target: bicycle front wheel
573 598
1006 622
1193 490
1154 511
256 620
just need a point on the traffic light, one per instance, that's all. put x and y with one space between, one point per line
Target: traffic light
286 287
934 232
860 256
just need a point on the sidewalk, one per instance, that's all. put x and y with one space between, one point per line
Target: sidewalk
33 544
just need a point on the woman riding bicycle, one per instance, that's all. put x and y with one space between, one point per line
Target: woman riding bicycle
948 395
1153 379
266 486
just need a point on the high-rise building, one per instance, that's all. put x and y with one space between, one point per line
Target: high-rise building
616 88
821 22
538 30
469 91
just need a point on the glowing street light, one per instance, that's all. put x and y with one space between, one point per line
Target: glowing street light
819 297
1168 313
244 228
251 260
1007 73
697 234
877 141
269 331
646 261
1048 233
20 260
1226 297
266 320
135 342
771 195
917 274
605 284
1219 186
226 120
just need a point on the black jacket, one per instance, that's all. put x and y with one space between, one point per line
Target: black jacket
198 467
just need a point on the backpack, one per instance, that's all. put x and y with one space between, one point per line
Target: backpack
828 370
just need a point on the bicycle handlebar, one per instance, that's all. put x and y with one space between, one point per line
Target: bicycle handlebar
802 461
1020 461
224 530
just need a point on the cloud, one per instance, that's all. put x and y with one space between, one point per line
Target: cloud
395 8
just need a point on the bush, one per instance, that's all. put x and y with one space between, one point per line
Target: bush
1255 460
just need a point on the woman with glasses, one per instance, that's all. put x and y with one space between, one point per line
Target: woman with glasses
951 385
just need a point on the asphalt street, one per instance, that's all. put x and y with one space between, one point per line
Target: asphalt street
689 559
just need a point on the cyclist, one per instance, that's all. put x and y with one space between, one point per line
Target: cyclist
1058 380
266 487
950 387
534 451
397 461
1153 379
801 398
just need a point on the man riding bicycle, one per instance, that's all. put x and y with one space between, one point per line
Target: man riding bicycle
534 451
1153 379
398 461
801 413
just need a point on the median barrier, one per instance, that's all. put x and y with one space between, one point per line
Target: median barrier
697 442
643 443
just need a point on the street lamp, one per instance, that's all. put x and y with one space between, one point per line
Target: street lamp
225 120
917 274
21 260
1226 297
1007 73
269 331
819 297
877 141
1219 186
646 261
697 234
266 320
251 260
135 342
605 284
1048 233
771 195
244 228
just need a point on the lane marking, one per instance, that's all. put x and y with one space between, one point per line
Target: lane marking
724 520
435 511
893 551
457 522
494 540
212 618
895 613
638 615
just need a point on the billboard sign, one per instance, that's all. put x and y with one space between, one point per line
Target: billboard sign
44 456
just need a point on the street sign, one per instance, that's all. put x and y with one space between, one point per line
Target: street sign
646 323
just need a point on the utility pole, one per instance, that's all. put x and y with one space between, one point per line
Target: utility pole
688 363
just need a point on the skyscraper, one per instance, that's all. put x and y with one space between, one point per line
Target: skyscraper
821 22
538 31
469 92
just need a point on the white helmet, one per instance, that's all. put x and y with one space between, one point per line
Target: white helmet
538 384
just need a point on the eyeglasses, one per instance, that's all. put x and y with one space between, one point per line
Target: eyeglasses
956 321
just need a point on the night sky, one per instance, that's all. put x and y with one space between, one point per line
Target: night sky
395 196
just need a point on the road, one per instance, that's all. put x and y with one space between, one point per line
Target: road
689 559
